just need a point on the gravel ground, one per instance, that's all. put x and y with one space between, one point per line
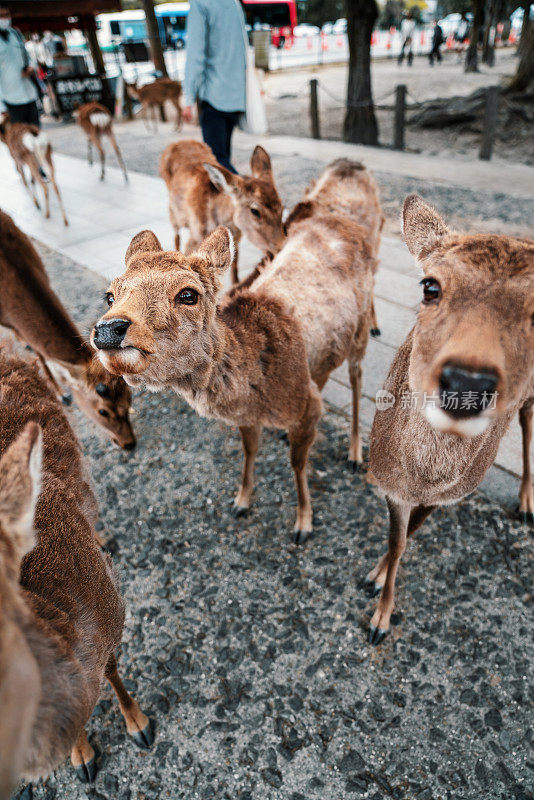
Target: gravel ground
251 654
481 211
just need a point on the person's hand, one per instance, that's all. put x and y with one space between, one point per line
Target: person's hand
187 113
27 72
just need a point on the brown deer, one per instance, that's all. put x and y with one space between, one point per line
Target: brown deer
203 195
153 95
61 615
464 370
96 122
29 147
30 308
260 357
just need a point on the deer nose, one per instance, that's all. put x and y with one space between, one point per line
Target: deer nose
464 392
109 333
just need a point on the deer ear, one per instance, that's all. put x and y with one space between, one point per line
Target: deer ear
221 180
20 485
260 163
218 249
422 226
144 242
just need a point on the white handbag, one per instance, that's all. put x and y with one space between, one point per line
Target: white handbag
254 118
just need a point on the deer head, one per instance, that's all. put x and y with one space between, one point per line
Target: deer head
161 311
102 397
20 482
473 343
257 206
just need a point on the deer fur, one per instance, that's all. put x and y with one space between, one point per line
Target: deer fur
259 357
203 195
482 322
29 147
96 122
61 615
152 95
30 308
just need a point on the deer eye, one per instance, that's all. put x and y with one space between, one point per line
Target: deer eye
431 291
103 412
109 299
187 297
255 212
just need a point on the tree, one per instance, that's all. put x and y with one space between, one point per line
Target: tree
523 80
317 12
153 36
471 56
360 123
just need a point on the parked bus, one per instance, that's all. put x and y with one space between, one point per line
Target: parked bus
279 15
130 26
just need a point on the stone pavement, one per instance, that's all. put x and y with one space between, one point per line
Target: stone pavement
105 216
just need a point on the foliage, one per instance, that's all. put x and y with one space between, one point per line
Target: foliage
317 12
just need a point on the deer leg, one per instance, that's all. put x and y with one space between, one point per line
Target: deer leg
155 117
30 190
526 492
355 449
403 521
375 330
89 153
250 437
138 724
236 233
56 190
301 437
178 107
118 153
34 169
83 759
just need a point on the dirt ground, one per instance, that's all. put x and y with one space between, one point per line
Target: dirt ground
287 99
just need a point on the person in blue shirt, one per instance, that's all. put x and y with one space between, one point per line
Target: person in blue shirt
17 90
215 71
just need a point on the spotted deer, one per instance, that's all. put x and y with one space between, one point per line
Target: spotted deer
61 614
260 356
96 122
203 195
465 369
30 148
153 95
31 309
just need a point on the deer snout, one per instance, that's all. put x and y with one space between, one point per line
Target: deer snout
466 392
109 333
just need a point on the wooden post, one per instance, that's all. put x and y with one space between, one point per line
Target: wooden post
154 38
490 123
400 111
314 110
94 49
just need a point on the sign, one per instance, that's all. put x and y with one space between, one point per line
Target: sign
72 91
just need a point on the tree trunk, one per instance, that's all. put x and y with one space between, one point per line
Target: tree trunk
524 27
471 56
488 44
360 125
523 79
153 36
96 52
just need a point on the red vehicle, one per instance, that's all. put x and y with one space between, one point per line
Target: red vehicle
279 15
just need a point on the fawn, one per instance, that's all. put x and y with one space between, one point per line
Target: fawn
152 95
30 147
96 121
31 309
61 615
474 339
260 357
203 195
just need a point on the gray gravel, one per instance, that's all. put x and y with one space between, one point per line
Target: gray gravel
251 654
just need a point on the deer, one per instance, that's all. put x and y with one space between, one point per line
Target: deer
61 613
29 147
30 308
259 356
96 122
152 95
203 195
465 369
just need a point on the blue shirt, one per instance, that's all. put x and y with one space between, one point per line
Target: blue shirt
14 88
216 58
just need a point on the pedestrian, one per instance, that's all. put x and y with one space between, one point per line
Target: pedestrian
215 71
462 35
437 41
18 91
407 33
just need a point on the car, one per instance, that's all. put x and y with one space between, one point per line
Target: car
340 26
306 30
327 28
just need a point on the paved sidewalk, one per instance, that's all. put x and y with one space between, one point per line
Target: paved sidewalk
104 217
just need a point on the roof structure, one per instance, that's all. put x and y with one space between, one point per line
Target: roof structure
57 15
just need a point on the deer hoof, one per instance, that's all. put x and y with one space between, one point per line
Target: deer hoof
372 587
87 772
375 332
239 511
299 537
355 466
66 399
526 517
26 794
283 437
376 635
144 738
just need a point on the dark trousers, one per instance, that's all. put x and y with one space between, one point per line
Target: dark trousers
217 128
434 52
26 112
406 44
